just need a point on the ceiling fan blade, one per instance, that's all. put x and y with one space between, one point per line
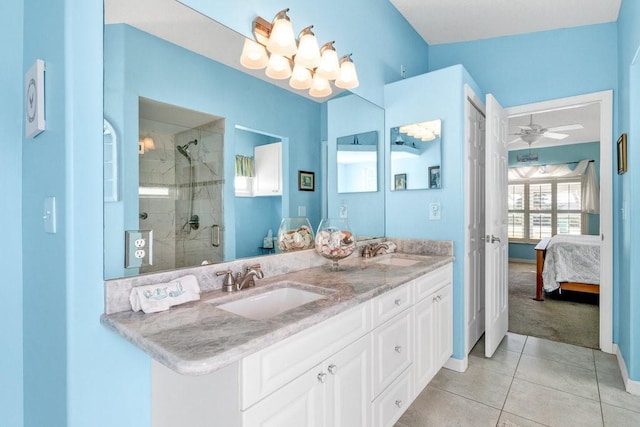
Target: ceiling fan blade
564 128
514 141
554 135
525 127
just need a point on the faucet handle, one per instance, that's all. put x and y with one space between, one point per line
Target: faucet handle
253 267
229 283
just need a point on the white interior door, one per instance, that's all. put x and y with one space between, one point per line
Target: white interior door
496 240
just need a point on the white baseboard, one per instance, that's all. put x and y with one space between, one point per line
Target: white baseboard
526 261
458 365
631 386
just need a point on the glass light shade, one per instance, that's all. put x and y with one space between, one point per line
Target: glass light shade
254 55
348 78
320 87
308 54
281 40
328 68
148 143
278 67
300 78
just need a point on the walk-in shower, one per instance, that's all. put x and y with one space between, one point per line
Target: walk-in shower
193 221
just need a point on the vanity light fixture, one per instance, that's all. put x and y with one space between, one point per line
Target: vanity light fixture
276 49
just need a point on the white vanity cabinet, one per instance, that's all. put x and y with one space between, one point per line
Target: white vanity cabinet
433 313
268 170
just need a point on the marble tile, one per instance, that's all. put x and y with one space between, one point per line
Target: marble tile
435 407
612 392
569 378
511 420
511 342
606 363
551 407
614 416
478 384
560 352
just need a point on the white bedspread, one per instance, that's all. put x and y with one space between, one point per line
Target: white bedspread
571 259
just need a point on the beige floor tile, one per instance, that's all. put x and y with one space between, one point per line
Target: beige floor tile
510 420
606 363
551 407
560 352
511 342
613 393
618 417
439 408
503 362
478 384
560 376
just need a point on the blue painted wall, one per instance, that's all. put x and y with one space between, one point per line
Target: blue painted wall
373 30
628 192
254 215
199 84
11 123
439 94
552 155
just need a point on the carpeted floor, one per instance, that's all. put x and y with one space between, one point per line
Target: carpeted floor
572 317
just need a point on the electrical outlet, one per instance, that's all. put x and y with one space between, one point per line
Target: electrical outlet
138 248
342 211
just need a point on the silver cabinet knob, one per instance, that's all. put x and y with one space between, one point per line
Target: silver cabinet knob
332 369
398 348
398 301
398 403
322 377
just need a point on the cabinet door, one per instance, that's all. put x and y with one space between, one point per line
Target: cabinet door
444 324
300 403
349 372
268 160
392 346
425 342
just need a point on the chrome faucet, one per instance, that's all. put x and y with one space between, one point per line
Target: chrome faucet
251 272
372 249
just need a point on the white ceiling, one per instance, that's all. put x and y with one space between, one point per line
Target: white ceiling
448 21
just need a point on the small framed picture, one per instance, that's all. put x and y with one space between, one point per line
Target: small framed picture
622 154
434 177
400 181
306 181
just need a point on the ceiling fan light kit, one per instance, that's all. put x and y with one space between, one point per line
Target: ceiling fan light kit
533 132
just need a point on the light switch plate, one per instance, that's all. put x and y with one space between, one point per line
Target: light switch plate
302 211
49 215
138 248
434 211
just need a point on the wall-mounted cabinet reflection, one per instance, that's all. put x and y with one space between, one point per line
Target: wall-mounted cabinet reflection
416 156
358 163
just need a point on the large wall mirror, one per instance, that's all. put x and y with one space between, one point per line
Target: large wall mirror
358 162
416 156
154 56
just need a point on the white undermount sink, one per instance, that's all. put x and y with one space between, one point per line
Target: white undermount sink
398 260
271 303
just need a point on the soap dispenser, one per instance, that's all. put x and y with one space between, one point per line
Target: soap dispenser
267 242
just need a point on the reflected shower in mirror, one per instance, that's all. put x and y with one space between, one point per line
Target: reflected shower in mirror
358 163
416 156
180 184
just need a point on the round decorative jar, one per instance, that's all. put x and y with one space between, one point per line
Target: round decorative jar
295 234
335 240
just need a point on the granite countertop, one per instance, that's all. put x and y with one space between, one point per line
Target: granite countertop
198 338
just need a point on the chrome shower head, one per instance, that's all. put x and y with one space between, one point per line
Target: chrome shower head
183 149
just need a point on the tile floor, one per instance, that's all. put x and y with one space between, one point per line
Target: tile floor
528 382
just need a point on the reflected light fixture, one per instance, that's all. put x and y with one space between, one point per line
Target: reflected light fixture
424 131
276 49
146 143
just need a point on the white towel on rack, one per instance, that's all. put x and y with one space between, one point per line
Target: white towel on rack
162 296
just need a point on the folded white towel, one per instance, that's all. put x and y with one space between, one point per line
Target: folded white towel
161 296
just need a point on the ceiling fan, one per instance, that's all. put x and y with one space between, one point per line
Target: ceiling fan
532 132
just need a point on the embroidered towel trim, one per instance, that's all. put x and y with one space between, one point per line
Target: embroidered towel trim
162 296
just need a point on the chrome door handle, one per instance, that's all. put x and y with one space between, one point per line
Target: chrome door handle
494 239
215 235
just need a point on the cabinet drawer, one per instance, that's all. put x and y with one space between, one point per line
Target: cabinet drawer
271 368
392 350
429 282
389 407
391 303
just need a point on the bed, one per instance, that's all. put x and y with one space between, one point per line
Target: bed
568 262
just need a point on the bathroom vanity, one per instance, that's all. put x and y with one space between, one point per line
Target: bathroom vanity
358 355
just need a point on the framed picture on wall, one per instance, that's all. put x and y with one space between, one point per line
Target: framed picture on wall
622 154
434 177
400 181
306 181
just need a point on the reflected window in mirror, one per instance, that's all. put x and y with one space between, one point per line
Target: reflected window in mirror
358 163
416 154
